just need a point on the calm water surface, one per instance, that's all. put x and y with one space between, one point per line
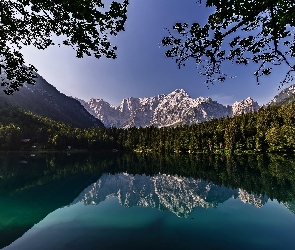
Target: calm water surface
93 201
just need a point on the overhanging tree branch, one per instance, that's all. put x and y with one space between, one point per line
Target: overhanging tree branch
85 23
255 23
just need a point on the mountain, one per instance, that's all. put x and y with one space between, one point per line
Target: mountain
175 108
290 205
284 97
244 106
45 100
253 199
179 195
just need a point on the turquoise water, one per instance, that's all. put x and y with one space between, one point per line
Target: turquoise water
233 225
73 202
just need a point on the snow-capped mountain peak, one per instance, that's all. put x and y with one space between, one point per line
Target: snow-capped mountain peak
179 93
175 108
245 106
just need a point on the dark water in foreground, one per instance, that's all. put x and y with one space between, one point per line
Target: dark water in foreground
108 201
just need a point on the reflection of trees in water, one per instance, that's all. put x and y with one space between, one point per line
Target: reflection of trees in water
253 173
272 175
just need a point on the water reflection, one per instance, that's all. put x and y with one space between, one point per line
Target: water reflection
179 195
176 184
109 214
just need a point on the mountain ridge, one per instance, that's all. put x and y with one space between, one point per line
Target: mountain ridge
163 110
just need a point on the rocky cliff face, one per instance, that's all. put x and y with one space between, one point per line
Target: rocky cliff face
176 108
179 195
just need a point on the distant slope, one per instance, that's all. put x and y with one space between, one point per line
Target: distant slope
284 97
30 124
45 100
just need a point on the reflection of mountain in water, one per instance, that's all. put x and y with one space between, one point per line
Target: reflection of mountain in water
290 205
253 199
179 195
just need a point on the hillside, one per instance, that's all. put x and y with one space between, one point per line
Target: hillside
286 96
45 100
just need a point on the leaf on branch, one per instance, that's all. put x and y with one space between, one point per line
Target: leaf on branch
266 71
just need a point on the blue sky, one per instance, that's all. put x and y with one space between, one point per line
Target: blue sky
141 69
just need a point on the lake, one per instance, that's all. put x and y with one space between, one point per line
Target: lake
129 201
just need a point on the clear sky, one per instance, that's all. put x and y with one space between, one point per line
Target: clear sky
141 69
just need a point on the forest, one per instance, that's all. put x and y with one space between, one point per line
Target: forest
271 129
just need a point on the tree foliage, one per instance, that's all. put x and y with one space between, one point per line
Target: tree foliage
85 24
241 31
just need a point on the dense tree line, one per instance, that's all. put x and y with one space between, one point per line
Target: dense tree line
269 129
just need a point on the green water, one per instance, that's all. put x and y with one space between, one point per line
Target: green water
109 201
